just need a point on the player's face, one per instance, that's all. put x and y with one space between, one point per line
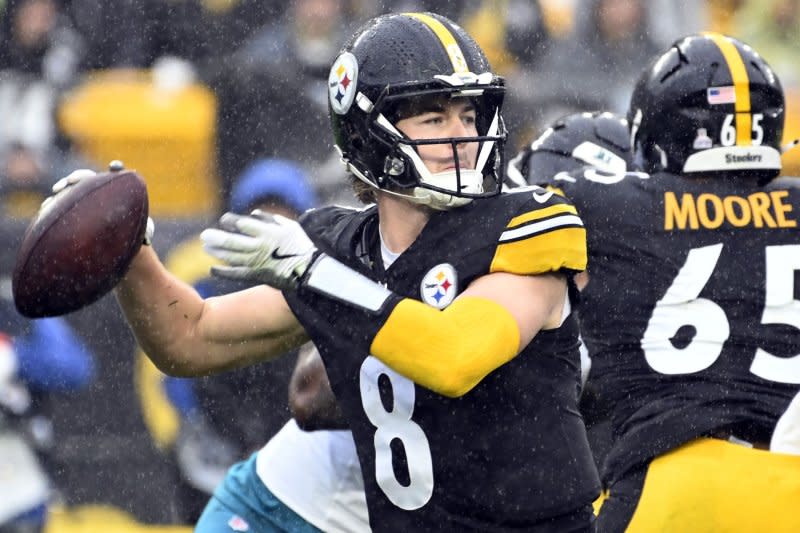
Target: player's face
439 119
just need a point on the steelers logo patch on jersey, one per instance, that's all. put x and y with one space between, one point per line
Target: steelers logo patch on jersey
342 82
439 286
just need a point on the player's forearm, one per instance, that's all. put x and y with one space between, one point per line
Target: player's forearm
311 400
450 351
185 335
314 407
162 312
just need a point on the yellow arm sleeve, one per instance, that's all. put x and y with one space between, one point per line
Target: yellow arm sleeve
450 351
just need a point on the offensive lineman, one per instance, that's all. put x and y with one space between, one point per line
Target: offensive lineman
692 309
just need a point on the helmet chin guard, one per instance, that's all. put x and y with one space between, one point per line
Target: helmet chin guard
471 180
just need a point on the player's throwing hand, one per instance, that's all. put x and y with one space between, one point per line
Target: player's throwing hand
260 247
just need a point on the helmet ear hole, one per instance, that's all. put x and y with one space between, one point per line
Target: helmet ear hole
393 166
356 142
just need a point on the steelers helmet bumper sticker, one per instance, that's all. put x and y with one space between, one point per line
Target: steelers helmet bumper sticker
342 82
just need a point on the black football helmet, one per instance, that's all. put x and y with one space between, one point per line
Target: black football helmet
398 57
599 139
709 104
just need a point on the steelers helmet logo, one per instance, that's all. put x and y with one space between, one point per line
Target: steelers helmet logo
439 286
342 82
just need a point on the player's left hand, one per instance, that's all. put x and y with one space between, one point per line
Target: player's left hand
260 247
84 173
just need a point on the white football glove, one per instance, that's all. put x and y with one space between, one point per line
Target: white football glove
261 247
83 173
71 179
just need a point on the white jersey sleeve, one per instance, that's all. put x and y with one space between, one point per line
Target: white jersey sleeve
317 475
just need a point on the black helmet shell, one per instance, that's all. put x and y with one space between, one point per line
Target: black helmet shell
708 104
598 139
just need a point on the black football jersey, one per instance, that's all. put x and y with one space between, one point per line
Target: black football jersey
512 452
692 311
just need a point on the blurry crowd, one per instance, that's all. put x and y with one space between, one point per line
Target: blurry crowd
266 64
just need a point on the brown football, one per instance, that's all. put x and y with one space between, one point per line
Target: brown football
80 244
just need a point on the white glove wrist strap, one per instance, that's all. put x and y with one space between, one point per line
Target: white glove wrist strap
332 278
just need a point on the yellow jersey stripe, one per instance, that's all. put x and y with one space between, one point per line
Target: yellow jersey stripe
549 251
542 213
741 85
448 41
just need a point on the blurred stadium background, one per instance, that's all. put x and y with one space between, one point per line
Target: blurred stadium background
188 92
